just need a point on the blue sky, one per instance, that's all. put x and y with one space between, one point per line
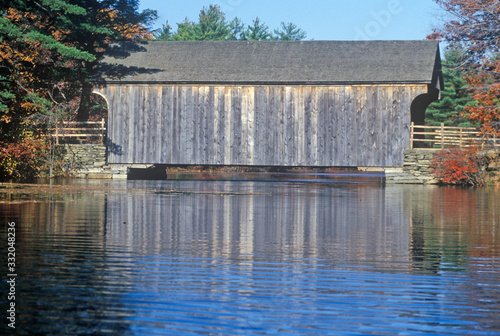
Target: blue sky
321 19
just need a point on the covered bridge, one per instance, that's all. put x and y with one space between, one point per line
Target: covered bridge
308 103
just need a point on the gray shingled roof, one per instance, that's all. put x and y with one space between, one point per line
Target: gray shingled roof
276 62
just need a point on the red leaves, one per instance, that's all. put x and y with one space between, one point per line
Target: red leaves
22 159
474 25
458 166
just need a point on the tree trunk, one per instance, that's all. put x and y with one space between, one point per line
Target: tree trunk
84 108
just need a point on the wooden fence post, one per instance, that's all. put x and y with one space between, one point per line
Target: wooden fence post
412 129
442 135
102 130
57 132
461 135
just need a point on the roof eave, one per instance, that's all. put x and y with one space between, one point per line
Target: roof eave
261 83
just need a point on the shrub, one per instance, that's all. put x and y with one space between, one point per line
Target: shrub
23 160
458 166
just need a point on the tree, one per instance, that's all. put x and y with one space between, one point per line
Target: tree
48 49
289 32
67 37
257 31
213 26
236 29
104 22
165 33
475 27
34 61
450 110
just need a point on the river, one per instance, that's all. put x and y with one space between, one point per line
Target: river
250 258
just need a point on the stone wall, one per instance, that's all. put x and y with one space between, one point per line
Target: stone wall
89 161
416 167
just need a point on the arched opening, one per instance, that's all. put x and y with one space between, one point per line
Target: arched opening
99 107
417 110
420 104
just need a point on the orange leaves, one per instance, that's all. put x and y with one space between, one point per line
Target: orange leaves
486 92
22 159
127 31
475 26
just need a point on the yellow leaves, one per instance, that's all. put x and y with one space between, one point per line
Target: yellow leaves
5 119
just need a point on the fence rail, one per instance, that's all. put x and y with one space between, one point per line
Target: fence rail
432 137
88 131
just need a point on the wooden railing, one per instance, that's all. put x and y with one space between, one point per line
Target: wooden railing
86 131
449 136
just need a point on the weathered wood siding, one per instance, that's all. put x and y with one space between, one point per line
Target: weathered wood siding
359 125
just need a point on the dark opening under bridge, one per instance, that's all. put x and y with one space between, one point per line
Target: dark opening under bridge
292 104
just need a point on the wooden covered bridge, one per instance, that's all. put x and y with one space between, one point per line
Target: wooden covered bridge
292 104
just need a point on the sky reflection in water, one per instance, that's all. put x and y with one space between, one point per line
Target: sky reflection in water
229 258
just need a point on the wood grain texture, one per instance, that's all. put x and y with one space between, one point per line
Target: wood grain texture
357 125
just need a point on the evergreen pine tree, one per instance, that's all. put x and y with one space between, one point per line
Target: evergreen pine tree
449 110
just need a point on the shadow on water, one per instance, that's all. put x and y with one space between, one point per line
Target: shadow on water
256 173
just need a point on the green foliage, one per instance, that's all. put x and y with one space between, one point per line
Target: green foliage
257 31
455 96
48 42
165 33
236 29
289 32
185 31
212 25
48 50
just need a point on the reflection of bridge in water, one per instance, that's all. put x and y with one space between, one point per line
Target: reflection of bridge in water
342 225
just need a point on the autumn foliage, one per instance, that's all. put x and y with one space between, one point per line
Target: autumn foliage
48 50
460 166
25 159
474 27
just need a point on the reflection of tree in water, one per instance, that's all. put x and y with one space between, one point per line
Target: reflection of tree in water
455 225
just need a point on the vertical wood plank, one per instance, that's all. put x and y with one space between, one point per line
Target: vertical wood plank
342 141
363 148
331 119
166 121
137 139
210 121
384 118
243 148
227 125
288 127
189 111
260 126
307 125
301 117
221 124
321 126
251 125
236 125
157 123
176 122
372 122
314 127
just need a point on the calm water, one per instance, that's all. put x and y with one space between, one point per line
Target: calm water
253 258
